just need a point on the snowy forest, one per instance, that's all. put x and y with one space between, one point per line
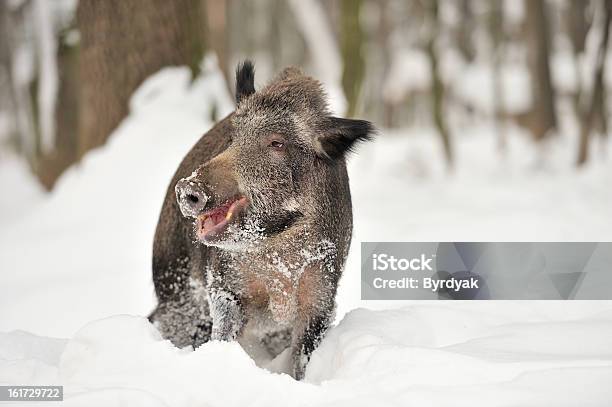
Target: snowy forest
68 69
493 122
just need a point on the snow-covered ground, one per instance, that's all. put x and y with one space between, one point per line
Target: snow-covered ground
422 355
76 264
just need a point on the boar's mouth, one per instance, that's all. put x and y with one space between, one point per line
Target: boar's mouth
215 221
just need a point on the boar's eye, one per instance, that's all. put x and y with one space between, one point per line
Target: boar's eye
276 142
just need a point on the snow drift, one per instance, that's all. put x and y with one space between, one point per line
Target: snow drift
443 355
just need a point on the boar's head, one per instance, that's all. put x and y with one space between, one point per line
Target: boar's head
284 142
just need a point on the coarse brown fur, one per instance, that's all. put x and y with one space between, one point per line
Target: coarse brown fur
270 272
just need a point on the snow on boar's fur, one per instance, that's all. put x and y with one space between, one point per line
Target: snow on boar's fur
256 224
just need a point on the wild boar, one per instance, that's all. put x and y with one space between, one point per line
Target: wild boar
257 222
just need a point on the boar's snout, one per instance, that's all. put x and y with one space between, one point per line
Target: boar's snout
191 197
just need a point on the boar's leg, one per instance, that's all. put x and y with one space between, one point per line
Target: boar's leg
182 314
277 341
306 342
227 314
184 323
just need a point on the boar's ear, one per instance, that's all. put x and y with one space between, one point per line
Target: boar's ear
340 136
245 80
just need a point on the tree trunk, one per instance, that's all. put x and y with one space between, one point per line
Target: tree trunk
437 89
578 27
14 33
122 43
595 107
543 118
51 164
351 40
217 16
466 29
383 34
496 29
